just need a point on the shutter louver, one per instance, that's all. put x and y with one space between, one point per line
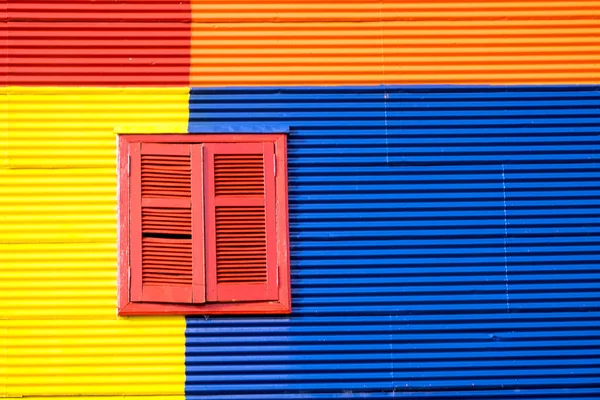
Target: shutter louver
241 237
241 244
166 175
167 260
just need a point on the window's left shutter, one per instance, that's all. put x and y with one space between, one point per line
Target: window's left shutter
166 237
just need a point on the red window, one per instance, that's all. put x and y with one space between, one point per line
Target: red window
203 224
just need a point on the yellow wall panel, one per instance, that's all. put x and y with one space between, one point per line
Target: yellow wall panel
3 125
95 357
2 358
58 241
395 42
74 127
58 280
59 205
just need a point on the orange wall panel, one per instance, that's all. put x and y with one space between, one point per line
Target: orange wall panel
388 10
393 42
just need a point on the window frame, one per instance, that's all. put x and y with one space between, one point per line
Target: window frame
128 308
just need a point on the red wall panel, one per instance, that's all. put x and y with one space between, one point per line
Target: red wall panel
98 43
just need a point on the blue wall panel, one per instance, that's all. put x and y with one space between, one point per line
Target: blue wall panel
444 243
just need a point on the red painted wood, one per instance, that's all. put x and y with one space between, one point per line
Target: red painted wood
198 243
160 149
168 294
165 282
123 218
135 222
209 221
271 222
283 235
193 138
283 303
99 43
229 290
245 308
173 202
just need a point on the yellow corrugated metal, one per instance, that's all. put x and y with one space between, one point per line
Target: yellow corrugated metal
3 126
95 357
60 205
124 397
2 358
74 128
395 42
58 240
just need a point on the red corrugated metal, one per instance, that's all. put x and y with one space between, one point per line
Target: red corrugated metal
3 43
98 43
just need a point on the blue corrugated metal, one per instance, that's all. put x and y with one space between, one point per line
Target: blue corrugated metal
444 243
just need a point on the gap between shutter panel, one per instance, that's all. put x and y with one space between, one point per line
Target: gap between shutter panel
167 249
240 217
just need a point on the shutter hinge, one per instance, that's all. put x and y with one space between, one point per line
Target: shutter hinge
129 165
275 164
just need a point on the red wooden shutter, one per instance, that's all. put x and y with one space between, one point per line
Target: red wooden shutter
241 239
166 238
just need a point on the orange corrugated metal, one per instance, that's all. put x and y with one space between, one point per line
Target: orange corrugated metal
377 10
394 42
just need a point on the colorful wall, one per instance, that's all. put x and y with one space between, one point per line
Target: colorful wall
444 196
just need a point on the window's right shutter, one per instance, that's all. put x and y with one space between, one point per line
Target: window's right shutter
166 234
241 237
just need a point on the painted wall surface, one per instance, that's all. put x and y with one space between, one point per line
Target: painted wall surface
394 41
283 42
444 238
58 246
444 243
98 43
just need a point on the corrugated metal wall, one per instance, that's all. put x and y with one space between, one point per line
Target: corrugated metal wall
98 43
147 43
58 247
391 41
444 243
462 222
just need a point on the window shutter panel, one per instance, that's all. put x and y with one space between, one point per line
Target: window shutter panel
241 237
166 236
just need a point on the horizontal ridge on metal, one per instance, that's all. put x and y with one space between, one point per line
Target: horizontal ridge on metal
249 43
58 246
444 243
98 43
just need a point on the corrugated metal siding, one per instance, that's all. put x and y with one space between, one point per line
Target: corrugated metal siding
3 126
98 43
2 358
58 241
444 243
147 43
391 42
49 127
